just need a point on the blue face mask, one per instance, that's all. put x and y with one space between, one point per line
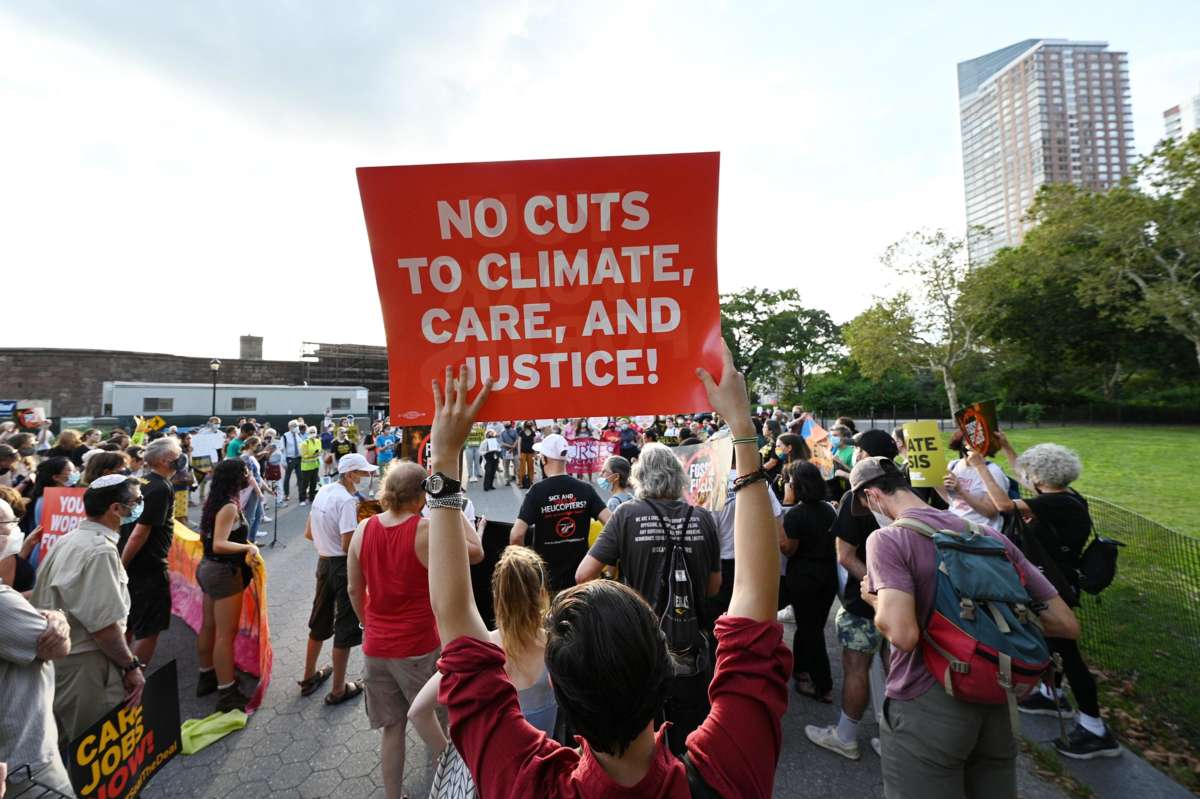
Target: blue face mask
835 440
603 483
73 479
133 514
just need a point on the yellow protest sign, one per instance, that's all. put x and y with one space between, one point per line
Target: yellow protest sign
926 455
157 423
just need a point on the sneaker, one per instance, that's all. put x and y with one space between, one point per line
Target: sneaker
786 616
261 537
1083 745
206 683
1038 704
267 520
304 502
231 699
827 738
877 747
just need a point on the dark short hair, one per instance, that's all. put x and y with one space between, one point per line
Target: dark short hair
957 442
806 480
877 443
249 427
608 662
97 501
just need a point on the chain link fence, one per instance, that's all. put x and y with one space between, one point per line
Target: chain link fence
1144 630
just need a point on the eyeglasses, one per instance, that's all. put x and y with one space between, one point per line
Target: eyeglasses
13 520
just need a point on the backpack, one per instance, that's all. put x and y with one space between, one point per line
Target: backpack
1098 563
982 640
680 620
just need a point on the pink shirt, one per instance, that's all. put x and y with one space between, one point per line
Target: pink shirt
905 560
735 750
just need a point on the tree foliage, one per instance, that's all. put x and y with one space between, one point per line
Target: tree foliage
929 322
1136 247
777 342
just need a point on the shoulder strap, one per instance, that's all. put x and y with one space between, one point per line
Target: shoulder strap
929 532
697 787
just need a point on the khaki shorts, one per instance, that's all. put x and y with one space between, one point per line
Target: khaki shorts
392 685
856 633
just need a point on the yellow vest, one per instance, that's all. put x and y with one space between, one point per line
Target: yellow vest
310 454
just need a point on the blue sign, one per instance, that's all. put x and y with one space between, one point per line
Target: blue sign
8 407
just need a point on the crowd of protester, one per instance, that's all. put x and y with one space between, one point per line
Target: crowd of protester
657 643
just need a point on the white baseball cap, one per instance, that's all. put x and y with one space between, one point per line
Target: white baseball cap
553 446
355 463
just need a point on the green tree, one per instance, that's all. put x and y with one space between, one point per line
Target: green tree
1136 247
930 326
775 341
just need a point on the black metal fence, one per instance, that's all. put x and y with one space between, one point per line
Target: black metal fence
1145 629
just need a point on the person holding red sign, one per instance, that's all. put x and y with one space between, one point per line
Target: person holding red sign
607 656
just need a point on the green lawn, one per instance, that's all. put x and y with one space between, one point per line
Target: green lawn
1154 471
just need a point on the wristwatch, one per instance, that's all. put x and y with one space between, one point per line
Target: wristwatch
456 501
136 663
439 485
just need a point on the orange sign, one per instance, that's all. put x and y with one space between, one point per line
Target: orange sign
62 511
588 281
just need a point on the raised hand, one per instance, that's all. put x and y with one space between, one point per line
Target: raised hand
453 415
729 397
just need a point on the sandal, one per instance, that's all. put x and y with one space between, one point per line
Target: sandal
353 688
310 686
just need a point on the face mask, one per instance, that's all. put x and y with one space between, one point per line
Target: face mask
133 514
180 462
73 479
835 440
624 427
26 451
779 451
603 483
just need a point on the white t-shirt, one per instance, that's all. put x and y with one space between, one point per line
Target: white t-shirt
334 513
970 483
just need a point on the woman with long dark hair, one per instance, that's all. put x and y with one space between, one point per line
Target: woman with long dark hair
811 577
57 472
223 575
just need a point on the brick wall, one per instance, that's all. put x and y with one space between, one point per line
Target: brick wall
73 379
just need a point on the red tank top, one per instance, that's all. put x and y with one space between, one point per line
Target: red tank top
400 621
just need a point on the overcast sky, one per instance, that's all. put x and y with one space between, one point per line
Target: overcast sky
173 175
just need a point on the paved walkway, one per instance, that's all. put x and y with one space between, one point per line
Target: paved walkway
298 747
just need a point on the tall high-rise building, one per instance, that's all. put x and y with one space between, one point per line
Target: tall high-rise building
1182 120
1035 112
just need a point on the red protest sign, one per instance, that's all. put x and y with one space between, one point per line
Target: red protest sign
591 281
62 511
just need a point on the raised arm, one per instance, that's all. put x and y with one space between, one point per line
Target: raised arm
755 541
998 496
450 591
355 587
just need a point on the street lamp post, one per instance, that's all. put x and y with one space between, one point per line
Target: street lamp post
214 366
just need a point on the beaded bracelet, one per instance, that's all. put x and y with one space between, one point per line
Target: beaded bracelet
746 440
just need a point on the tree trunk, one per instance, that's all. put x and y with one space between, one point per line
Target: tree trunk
1196 343
951 390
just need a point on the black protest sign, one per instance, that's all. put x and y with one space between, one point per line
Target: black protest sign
119 754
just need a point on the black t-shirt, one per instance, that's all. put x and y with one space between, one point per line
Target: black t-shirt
634 538
1063 525
854 530
527 439
811 524
341 448
559 511
159 497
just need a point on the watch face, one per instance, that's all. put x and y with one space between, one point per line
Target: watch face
434 484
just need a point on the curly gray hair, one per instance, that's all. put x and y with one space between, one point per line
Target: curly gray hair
1050 464
658 474
161 450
